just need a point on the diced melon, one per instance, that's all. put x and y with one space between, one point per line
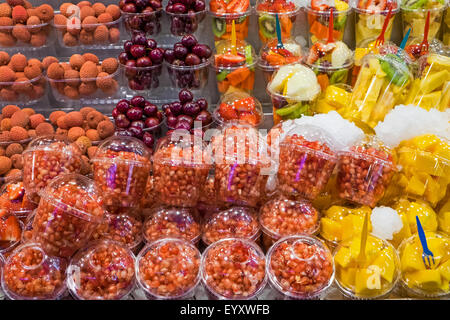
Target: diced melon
415 186
385 261
330 229
343 257
411 259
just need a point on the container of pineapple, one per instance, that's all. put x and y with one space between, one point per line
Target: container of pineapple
431 89
383 82
419 279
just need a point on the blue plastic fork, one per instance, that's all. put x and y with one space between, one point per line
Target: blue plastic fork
427 255
278 29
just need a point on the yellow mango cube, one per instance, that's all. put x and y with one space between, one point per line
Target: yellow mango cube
426 279
444 269
331 229
343 257
411 259
346 276
385 261
366 281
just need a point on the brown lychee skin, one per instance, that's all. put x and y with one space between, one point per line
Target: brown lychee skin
93 135
74 119
55 71
4 58
61 122
5 124
114 11
105 129
7 74
17 161
44 128
36 119
9 110
5 164
91 57
47 61
88 71
74 133
110 65
19 14
18 134
21 32
55 115
29 111
76 61
13 148
93 118
85 110
20 118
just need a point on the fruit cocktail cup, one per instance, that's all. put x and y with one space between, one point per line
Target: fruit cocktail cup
224 12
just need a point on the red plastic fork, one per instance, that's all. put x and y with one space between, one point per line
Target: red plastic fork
380 39
424 46
330 27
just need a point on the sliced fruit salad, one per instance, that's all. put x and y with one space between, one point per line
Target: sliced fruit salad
331 62
414 14
241 107
224 12
266 9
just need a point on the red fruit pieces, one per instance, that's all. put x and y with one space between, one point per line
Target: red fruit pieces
245 105
250 118
227 112
10 229
229 60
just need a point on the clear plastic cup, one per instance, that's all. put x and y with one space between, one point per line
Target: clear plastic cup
239 107
287 262
31 274
124 227
222 22
45 158
335 98
185 23
431 89
233 269
171 222
318 21
189 77
416 19
85 89
416 278
121 168
287 15
89 35
14 199
271 58
208 198
69 212
27 36
238 222
376 277
234 71
293 90
104 270
148 200
281 217
306 162
148 22
176 257
180 169
26 92
11 231
140 78
241 165
383 82
364 172
370 19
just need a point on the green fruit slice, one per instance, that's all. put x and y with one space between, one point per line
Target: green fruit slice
286 111
340 23
218 27
339 76
222 75
395 69
267 26
248 56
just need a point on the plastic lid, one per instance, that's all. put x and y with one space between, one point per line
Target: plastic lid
102 271
271 57
282 217
171 222
234 268
309 134
76 195
223 57
52 143
411 250
284 7
14 199
239 107
329 57
30 274
382 254
287 262
431 5
396 67
239 222
373 148
182 149
125 228
123 149
325 6
367 7
180 261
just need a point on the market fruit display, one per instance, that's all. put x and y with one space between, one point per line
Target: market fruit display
318 13
383 82
415 276
142 16
239 107
226 11
331 62
185 16
92 24
432 88
293 90
234 66
375 276
25 25
370 17
287 13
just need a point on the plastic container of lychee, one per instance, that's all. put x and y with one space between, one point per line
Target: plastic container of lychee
90 36
23 91
185 23
86 90
28 37
148 22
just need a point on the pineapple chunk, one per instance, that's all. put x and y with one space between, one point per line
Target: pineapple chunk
434 81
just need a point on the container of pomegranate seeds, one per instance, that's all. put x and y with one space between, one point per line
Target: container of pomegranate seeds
168 269
102 271
181 167
300 267
241 165
281 217
125 228
68 213
30 274
364 172
121 168
14 199
233 268
306 162
47 157
238 222
171 222
148 200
